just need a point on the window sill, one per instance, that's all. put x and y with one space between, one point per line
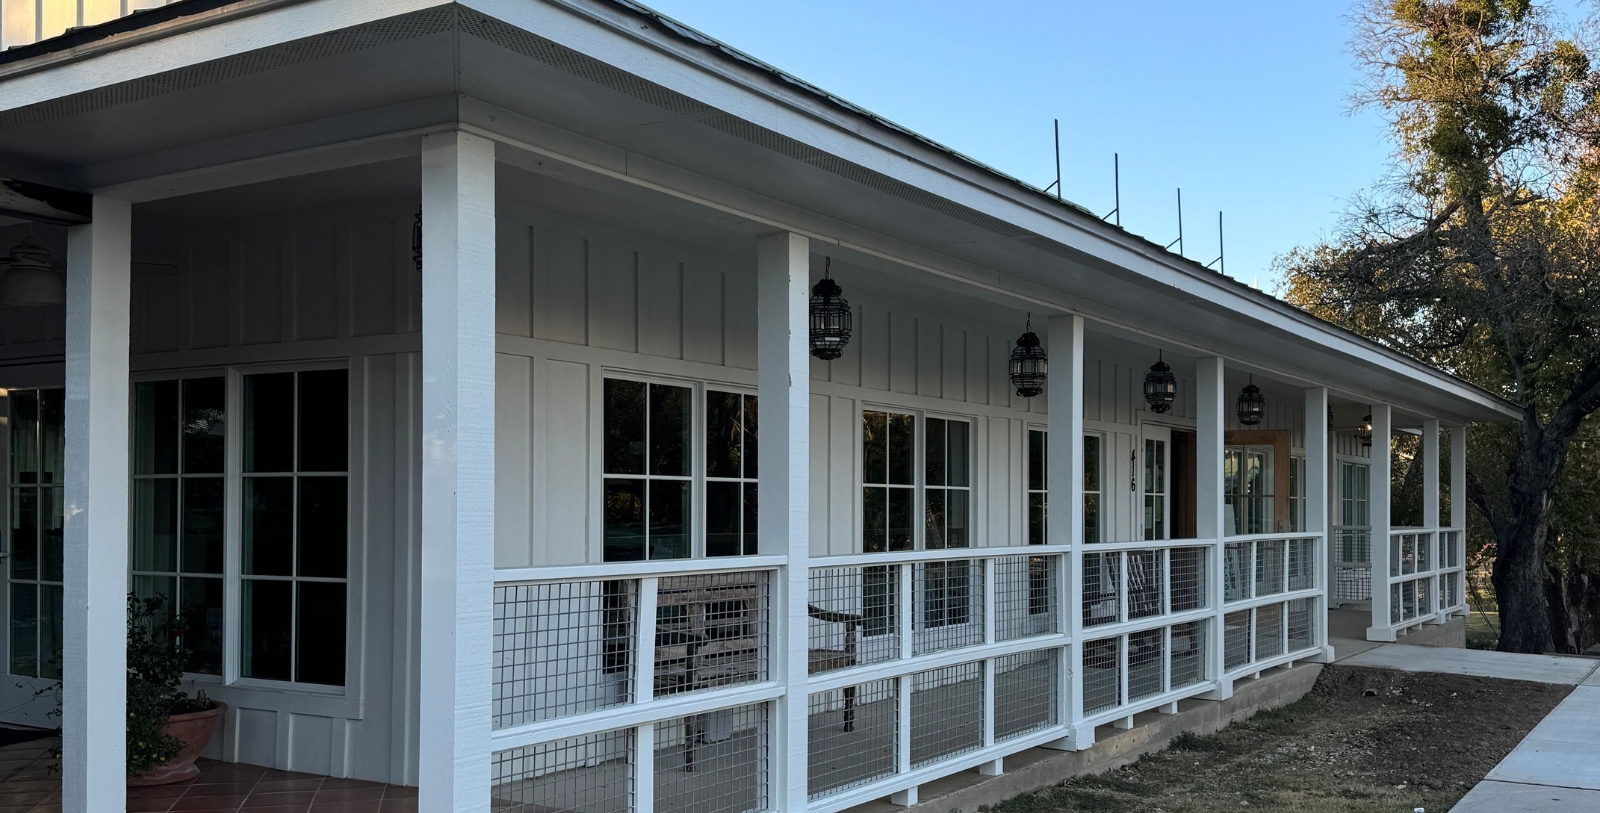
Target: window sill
266 695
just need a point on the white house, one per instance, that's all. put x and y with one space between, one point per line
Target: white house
548 503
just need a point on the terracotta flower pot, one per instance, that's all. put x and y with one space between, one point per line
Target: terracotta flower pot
194 730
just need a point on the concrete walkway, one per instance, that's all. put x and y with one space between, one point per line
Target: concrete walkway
1556 768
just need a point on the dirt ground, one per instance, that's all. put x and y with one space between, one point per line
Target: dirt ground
1363 741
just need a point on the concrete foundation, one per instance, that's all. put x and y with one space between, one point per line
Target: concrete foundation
1038 768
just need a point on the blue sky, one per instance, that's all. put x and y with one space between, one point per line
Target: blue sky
1243 104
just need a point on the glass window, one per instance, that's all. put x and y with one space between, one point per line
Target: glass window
34 538
1039 487
1297 494
1247 475
1092 488
179 429
295 526
731 480
1155 488
648 479
888 449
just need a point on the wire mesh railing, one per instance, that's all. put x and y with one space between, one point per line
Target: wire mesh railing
1426 575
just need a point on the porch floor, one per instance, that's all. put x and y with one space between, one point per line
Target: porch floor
28 784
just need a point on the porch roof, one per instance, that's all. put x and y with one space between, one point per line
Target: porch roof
606 93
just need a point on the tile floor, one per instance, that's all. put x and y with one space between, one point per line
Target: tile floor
27 785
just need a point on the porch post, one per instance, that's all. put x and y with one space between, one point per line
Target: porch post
1064 475
1430 475
1378 508
95 576
1316 492
1210 491
783 270
1458 478
458 318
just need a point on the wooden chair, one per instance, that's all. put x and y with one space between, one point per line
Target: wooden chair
827 660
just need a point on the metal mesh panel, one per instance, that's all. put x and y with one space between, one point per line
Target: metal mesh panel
1301 632
1026 596
854 736
593 773
1408 601
1270 569
1236 639
854 616
948 598
1147 659
562 648
1449 550
1236 571
715 762
1188 644
1102 675
1269 631
1424 552
1102 598
1302 564
1145 583
1394 604
1026 688
1188 566
711 631
1397 555
1425 590
1352 583
946 712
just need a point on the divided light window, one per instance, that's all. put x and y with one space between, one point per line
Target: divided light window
34 543
889 487
1039 487
647 467
295 522
730 473
179 430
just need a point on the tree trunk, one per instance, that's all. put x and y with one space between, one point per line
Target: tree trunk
1519 586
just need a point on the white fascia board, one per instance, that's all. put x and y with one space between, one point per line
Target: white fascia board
232 31
605 34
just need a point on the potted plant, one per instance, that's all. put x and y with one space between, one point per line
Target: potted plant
167 729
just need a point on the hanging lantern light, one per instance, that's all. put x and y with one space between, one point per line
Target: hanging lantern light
831 320
1364 431
30 278
1252 404
1160 386
1028 363
1330 416
416 240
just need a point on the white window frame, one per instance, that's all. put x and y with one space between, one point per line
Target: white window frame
1027 461
9 549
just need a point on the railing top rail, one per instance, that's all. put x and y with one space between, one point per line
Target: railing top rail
904 556
1156 544
634 570
1273 537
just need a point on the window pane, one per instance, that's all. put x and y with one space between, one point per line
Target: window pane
956 517
323 526
200 608
268 526
204 403
52 437
670 429
155 525
624 521
1091 462
269 422
723 513
152 586
50 534
324 421
750 428
1036 527
624 427
202 525
934 535
50 606
900 519
1036 465
25 533
24 629
874 519
902 439
669 519
24 437
723 434
268 618
1091 518
874 447
956 457
320 636
751 545
934 434
155 434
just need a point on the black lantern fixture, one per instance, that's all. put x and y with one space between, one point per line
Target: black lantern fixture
1028 363
416 240
1252 404
830 316
1160 386
1364 431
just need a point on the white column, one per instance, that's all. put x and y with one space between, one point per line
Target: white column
1378 507
1210 424
1430 474
1064 475
1316 492
95 613
783 270
1458 478
458 318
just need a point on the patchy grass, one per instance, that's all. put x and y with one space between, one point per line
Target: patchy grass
1363 741
1483 630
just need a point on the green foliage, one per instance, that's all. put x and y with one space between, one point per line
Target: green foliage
156 657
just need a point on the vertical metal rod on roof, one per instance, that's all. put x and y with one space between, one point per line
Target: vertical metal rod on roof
1058 159
1222 253
1178 242
1116 188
